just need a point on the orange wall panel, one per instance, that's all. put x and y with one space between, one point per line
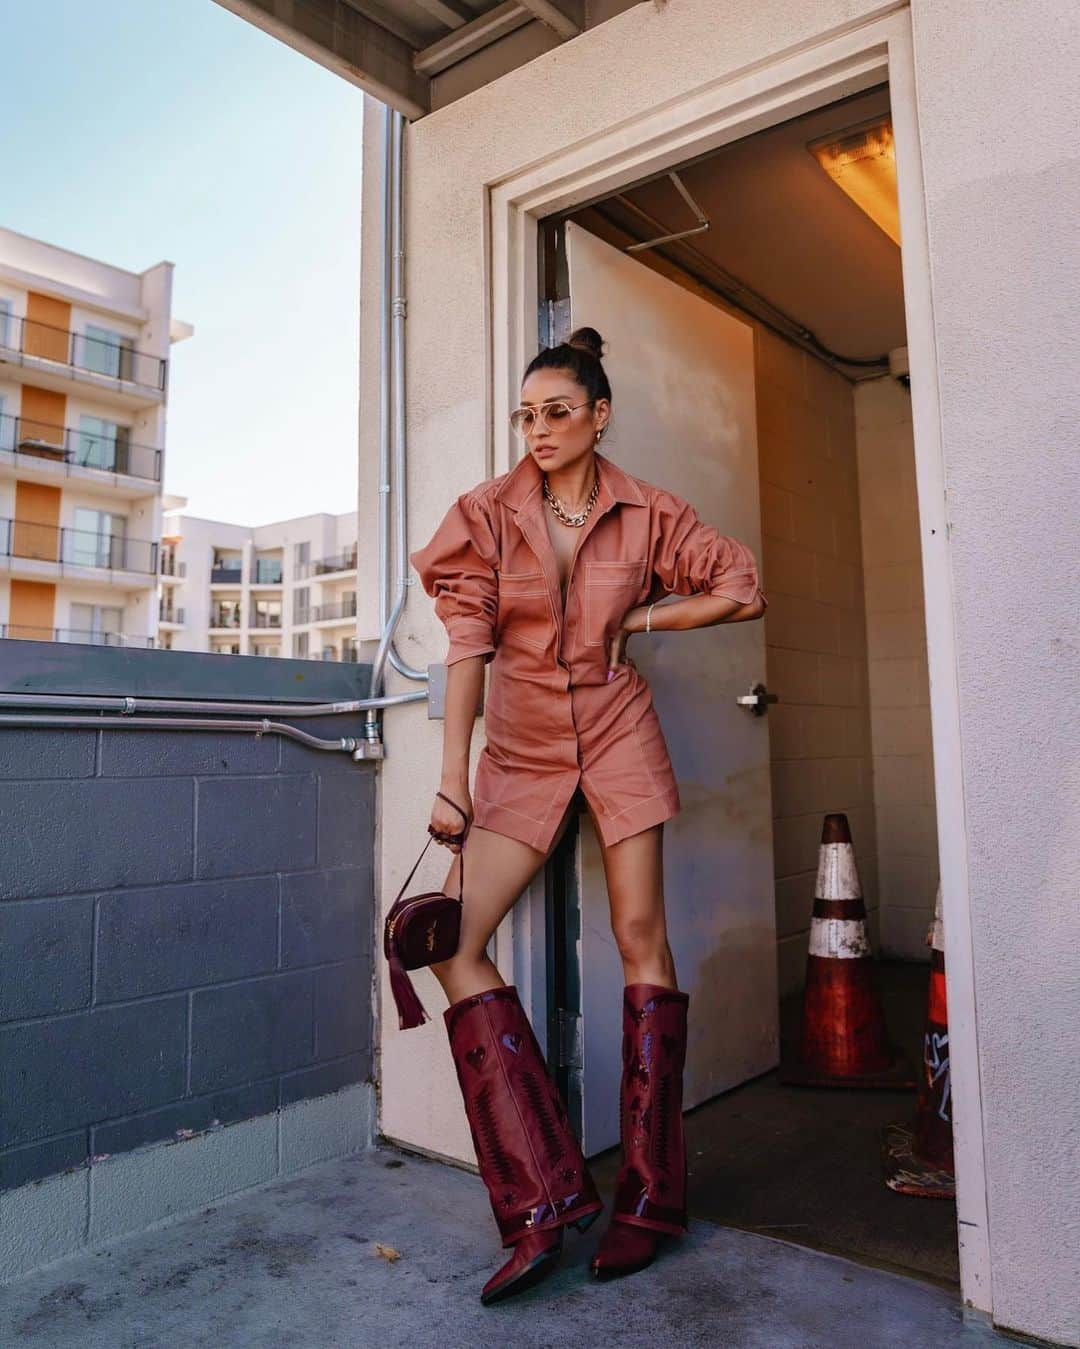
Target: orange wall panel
32 609
48 321
37 521
43 415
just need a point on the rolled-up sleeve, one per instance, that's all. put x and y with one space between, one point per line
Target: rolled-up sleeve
693 558
457 567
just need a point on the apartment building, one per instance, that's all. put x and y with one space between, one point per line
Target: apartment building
84 359
282 589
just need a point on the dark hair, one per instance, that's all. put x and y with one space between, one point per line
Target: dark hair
580 354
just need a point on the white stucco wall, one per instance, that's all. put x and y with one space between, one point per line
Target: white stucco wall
997 169
998 110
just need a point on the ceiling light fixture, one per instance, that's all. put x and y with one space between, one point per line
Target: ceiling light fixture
861 160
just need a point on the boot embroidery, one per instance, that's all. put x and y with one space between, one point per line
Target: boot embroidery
488 1129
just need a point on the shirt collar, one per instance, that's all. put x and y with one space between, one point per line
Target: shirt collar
525 480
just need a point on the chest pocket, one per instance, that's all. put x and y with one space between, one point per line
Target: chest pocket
524 609
610 589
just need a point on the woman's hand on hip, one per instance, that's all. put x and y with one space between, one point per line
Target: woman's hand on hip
617 656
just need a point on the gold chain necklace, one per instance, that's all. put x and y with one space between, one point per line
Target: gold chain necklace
560 510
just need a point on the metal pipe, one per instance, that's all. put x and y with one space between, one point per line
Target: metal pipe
392 422
346 744
129 706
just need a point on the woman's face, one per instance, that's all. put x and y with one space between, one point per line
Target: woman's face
562 440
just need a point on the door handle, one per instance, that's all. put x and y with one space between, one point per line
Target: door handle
758 699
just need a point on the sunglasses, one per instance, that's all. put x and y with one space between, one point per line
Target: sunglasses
552 416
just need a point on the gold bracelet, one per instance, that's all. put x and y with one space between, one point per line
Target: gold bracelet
648 617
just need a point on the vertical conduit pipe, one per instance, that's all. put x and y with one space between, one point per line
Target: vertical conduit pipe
392 486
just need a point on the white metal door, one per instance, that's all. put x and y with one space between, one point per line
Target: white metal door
682 376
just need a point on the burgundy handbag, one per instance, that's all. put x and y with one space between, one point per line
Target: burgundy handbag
421 930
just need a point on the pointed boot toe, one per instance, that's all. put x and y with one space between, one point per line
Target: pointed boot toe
534 1257
624 1249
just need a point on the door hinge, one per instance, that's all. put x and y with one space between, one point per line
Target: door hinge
569 1039
554 322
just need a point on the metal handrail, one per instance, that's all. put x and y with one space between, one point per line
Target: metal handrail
83 636
42 342
30 436
323 566
341 609
39 542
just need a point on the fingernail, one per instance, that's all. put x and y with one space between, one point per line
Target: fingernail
611 674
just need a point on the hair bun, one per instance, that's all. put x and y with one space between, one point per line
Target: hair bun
588 339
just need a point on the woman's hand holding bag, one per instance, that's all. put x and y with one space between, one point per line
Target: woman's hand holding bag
422 929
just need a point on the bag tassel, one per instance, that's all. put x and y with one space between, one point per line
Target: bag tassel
410 1008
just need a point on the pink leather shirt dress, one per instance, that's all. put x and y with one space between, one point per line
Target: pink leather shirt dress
552 719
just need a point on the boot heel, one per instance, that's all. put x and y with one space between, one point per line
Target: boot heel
583 1224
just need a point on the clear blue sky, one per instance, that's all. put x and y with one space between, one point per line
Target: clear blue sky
140 130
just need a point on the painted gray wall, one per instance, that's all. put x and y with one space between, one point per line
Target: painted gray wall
186 917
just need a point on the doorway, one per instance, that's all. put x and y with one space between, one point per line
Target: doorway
772 252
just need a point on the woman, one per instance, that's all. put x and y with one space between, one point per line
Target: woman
545 572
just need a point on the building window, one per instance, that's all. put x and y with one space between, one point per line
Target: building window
5 323
106 352
7 422
100 624
300 645
97 539
267 571
103 444
301 558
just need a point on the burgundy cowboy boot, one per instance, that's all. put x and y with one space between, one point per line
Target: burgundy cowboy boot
650 1192
529 1158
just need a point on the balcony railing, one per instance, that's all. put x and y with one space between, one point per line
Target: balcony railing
78 449
76 547
225 618
170 615
170 566
341 609
28 633
267 573
230 575
265 621
345 561
22 337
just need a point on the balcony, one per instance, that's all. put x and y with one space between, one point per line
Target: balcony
226 618
267 572
265 621
226 575
325 566
168 614
171 568
51 352
332 613
69 448
82 548
28 633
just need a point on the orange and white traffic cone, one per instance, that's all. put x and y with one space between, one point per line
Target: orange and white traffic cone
844 1042
919 1160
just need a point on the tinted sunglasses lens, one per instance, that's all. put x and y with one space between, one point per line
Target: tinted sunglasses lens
521 419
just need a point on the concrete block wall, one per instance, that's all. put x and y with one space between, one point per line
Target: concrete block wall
815 632
899 678
186 933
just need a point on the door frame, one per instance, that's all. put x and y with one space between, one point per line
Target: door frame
842 62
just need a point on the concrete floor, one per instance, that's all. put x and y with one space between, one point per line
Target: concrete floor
295 1263
804 1163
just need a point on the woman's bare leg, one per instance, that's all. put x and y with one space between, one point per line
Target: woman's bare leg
634 872
499 870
